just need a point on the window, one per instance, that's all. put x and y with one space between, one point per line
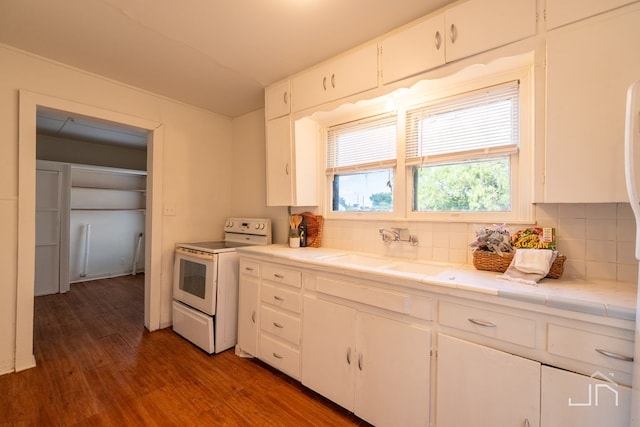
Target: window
454 149
460 149
361 161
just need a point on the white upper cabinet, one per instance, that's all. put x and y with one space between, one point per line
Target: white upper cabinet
461 31
411 51
479 25
590 65
562 12
347 75
278 100
291 154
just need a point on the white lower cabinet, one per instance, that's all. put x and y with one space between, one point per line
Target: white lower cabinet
376 367
249 288
481 386
570 399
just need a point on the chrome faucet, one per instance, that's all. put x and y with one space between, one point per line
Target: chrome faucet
397 235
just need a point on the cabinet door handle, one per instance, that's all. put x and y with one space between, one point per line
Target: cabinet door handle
454 33
277 356
484 323
349 356
333 81
277 325
360 364
526 422
324 83
253 316
285 97
613 355
286 169
438 40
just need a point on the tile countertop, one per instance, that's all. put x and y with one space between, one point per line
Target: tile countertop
599 297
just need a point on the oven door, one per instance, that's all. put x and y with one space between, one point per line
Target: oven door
194 280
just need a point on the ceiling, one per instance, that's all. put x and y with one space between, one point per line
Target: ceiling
61 124
214 54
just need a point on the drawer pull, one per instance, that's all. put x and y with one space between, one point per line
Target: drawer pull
278 276
248 269
278 298
349 356
277 356
613 355
482 323
277 325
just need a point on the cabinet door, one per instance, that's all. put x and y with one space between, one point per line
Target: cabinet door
590 65
248 314
328 350
481 386
562 12
479 25
352 73
279 166
277 100
392 366
570 399
413 50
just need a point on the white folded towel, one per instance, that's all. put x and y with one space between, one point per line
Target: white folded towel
529 266
536 261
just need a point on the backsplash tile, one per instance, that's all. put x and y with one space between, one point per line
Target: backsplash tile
598 239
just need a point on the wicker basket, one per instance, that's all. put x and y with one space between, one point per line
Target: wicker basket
314 229
491 261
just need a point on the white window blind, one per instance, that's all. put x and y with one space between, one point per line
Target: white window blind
473 125
362 145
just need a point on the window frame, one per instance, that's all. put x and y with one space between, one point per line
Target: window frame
521 163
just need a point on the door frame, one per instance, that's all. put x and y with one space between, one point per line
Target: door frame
28 104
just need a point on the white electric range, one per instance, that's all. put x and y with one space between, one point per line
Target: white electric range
205 284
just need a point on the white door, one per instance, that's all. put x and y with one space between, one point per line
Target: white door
480 386
392 372
570 399
328 350
47 268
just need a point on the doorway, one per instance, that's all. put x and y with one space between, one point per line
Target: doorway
29 104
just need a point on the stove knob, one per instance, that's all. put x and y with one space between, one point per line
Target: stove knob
257 226
230 224
261 226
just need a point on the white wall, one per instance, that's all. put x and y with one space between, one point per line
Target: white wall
249 176
597 239
196 170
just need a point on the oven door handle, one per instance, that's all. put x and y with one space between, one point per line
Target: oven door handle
201 255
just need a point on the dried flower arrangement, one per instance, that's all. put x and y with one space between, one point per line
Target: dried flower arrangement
496 239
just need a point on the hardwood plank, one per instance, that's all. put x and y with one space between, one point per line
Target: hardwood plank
98 366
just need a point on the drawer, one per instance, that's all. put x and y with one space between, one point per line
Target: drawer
377 297
590 347
280 356
250 268
280 324
488 323
283 298
283 275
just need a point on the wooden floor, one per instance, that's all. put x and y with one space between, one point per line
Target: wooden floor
98 366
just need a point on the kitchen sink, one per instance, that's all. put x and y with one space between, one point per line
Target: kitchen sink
389 264
360 260
423 269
